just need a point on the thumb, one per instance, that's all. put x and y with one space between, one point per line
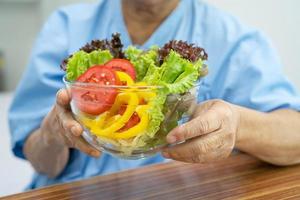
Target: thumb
201 125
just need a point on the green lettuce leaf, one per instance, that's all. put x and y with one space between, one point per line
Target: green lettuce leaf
99 57
81 61
156 114
133 54
153 75
185 81
142 61
198 65
179 74
172 67
77 65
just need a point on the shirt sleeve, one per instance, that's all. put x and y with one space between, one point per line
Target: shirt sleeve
35 94
251 76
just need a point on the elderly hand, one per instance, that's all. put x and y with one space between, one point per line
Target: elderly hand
209 136
60 128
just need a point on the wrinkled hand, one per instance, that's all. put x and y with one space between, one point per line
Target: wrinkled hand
210 135
60 128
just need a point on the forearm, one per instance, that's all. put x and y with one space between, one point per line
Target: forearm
273 137
45 158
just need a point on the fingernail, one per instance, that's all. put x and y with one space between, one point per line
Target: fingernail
171 139
74 131
166 154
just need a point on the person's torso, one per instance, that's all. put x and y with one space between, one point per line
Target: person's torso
192 21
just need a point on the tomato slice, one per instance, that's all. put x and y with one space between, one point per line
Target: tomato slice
123 66
134 120
94 99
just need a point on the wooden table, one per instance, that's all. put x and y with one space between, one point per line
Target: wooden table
238 177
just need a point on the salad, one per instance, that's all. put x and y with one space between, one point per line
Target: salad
132 98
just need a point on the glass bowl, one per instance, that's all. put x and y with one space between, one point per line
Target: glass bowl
105 130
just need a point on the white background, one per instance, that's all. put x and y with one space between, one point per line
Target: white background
20 21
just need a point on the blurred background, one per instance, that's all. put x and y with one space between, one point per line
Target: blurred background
20 21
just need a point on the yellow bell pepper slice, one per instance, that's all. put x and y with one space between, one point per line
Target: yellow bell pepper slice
92 123
137 129
87 122
141 84
147 94
124 77
101 120
132 101
112 120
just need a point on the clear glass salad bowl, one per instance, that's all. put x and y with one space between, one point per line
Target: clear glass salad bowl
124 125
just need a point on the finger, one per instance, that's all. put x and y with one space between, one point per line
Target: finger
68 123
63 98
204 158
82 145
201 125
196 147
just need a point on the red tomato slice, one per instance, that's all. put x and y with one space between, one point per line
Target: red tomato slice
94 99
134 120
123 66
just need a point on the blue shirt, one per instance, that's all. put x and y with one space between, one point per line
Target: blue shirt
244 70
